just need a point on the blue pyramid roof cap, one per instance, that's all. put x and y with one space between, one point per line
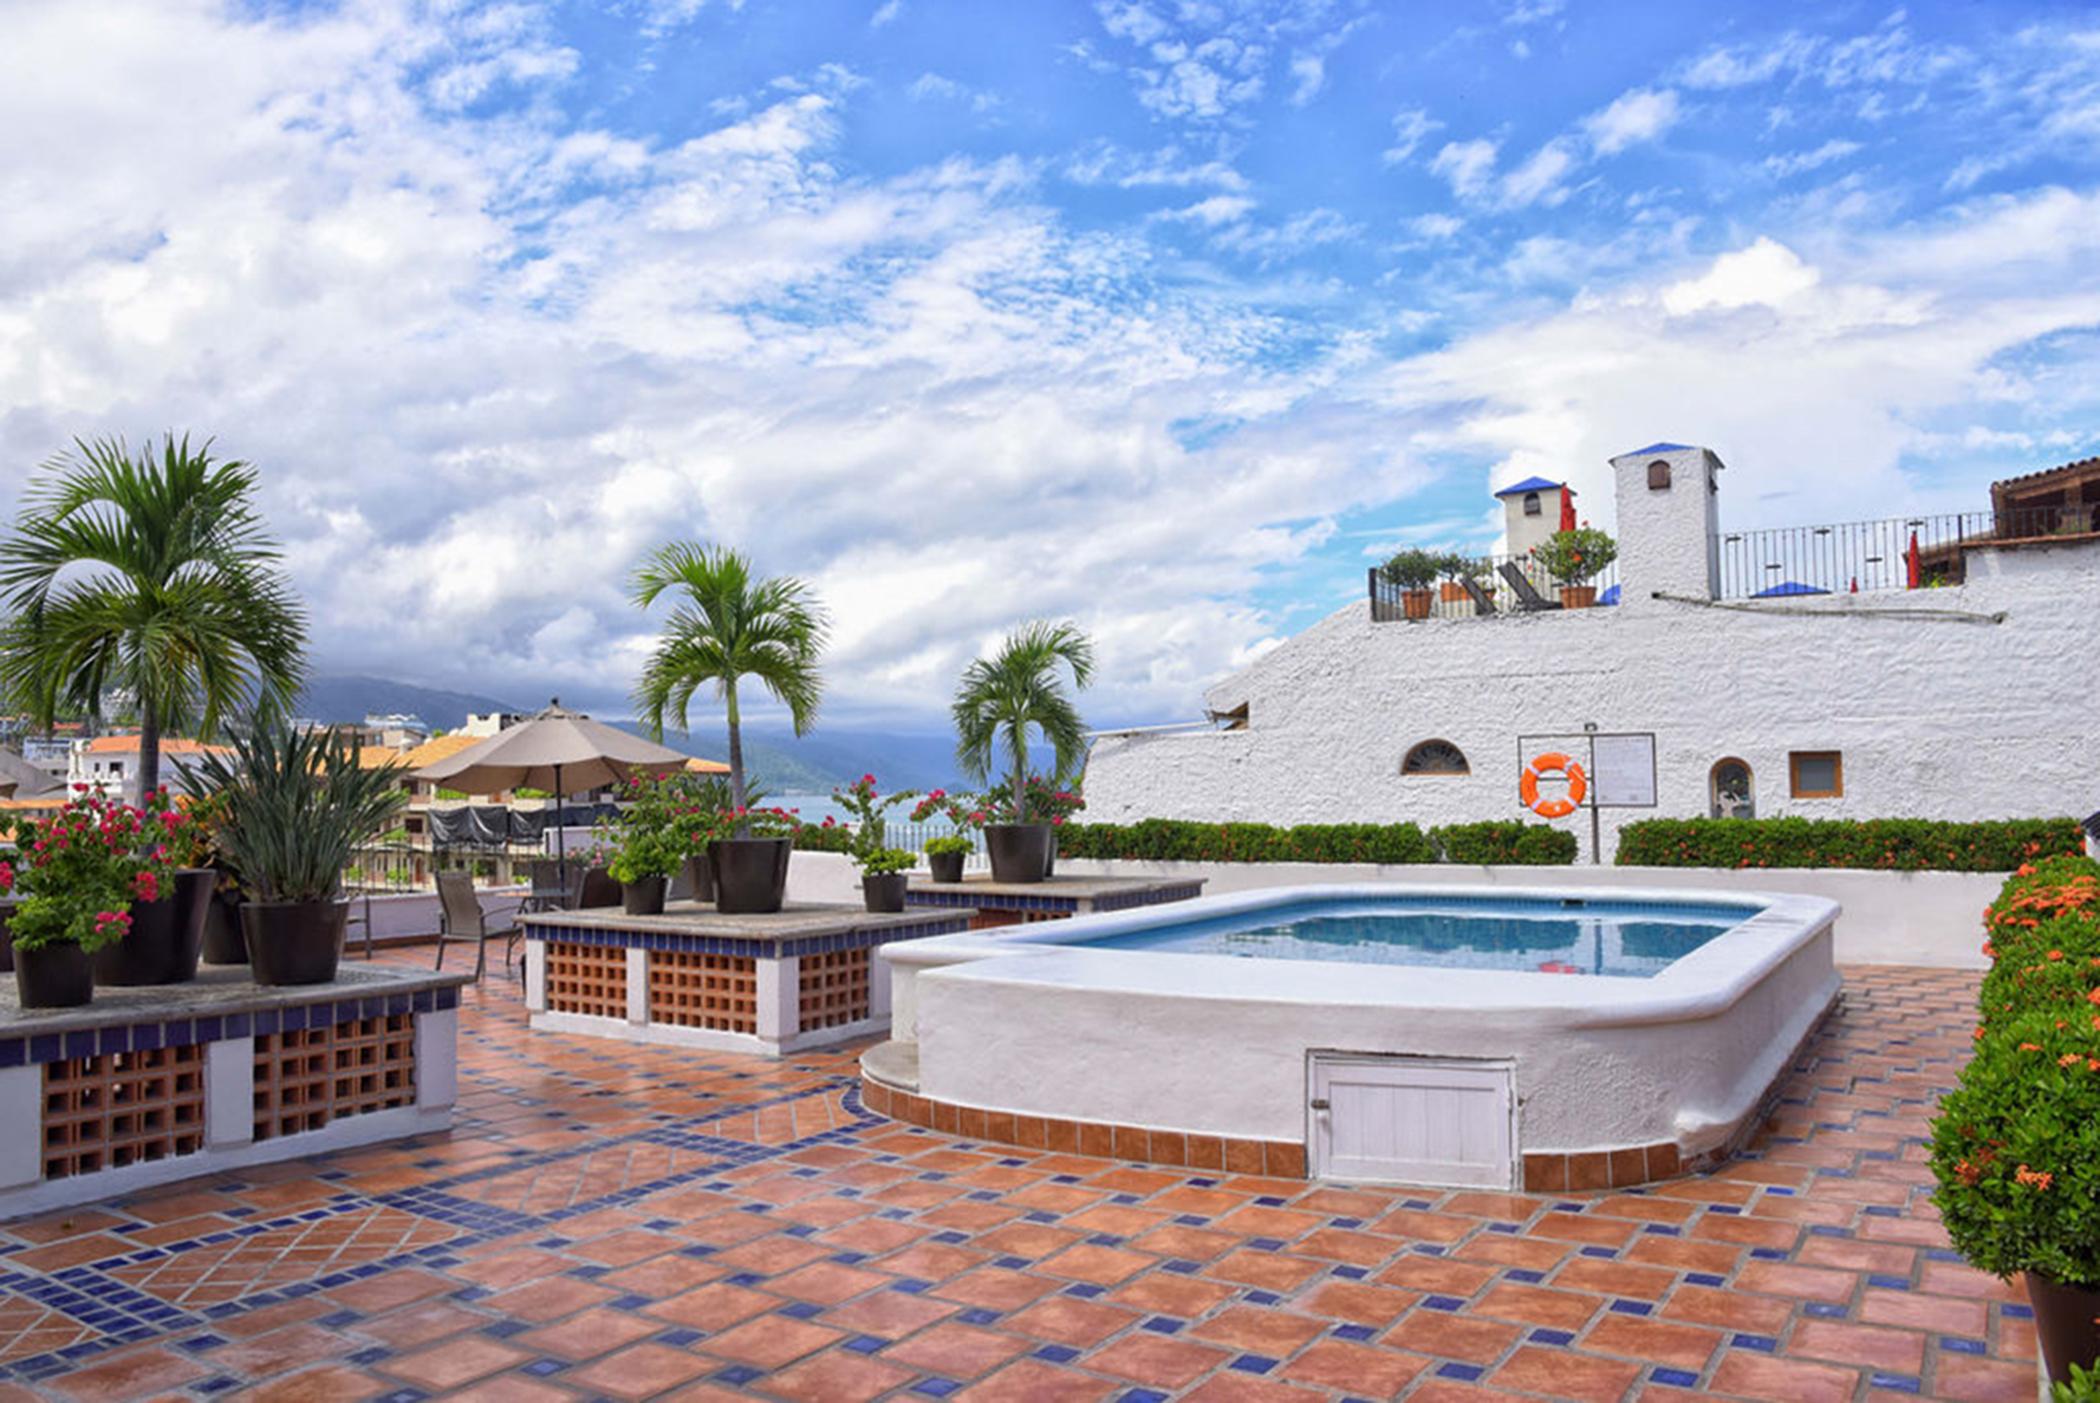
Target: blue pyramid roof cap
1658 448
1786 589
1530 484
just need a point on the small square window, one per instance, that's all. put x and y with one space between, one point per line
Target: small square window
1658 476
1531 504
1817 774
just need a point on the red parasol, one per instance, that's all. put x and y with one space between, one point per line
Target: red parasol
1567 509
1913 569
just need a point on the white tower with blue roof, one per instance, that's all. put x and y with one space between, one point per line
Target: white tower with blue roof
1531 512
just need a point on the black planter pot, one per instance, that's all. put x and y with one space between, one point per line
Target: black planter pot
294 942
695 881
2066 1325
750 874
57 976
947 867
644 897
884 891
165 938
599 889
1050 857
223 942
7 937
1020 852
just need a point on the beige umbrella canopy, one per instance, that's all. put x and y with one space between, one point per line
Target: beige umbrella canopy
559 751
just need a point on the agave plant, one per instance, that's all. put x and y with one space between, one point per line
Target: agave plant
295 806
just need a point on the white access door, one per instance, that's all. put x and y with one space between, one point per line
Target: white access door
1412 1120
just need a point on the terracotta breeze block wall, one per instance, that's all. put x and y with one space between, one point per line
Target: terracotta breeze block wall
306 1078
834 989
119 1108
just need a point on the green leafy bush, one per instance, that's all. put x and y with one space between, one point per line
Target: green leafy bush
1574 556
1505 843
2082 1387
949 843
1179 840
883 861
2016 1145
1890 844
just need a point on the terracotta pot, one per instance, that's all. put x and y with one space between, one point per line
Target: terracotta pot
165 938
947 867
223 942
1415 603
644 897
294 942
1451 592
750 874
57 976
1578 596
1020 852
884 891
2066 1325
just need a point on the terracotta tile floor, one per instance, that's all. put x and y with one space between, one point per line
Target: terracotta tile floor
617 1222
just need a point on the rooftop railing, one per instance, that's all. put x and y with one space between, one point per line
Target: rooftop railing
1862 556
1449 599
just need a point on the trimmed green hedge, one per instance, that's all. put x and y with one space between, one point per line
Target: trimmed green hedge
1891 844
1179 840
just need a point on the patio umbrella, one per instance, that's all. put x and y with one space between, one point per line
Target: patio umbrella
1567 508
560 751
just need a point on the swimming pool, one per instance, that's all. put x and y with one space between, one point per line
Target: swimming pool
1373 1032
1552 935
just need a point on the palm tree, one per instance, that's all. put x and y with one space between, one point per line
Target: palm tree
150 575
728 626
1020 686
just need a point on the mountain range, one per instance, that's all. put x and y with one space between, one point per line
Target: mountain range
782 762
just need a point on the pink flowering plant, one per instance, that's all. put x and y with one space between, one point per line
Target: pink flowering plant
78 871
869 808
965 811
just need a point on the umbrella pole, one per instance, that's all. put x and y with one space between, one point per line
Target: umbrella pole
561 836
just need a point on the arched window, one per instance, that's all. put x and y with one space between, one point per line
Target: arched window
1731 792
1658 476
1435 757
1531 504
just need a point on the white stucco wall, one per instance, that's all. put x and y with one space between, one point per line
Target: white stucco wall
1935 718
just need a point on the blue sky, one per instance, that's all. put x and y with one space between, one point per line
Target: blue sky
1166 315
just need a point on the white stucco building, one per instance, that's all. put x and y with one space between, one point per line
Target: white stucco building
109 765
1778 672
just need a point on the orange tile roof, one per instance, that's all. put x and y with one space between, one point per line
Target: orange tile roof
416 757
698 766
169 745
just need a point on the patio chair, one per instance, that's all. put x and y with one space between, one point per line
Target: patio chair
1483 602
548 893
1528 597
461 919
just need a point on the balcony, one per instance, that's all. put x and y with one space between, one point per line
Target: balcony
1498 592
1864 556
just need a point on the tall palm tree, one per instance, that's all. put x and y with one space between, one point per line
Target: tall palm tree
728 626
1020 686
152 575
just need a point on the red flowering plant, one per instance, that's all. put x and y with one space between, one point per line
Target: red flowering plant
965 811
2016 1145
77 871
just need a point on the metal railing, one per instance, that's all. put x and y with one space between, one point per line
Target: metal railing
1448 599
407 867
1862 556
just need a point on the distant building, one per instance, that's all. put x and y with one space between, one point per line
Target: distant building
1926 667
110 764
482 725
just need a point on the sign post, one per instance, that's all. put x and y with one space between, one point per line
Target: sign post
1620 769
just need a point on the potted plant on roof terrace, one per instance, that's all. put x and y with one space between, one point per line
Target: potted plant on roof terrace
729 626
77 873
296 807
168 911
1412 572
999 701
1574 558
883 869
647 842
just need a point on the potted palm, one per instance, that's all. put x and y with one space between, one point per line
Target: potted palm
1412 572
729 626
77 875
999 700
1573 559
296 806
149 576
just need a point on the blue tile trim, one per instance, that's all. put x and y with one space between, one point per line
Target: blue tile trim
37 1049
857 938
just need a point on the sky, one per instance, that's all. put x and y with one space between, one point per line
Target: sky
1165 316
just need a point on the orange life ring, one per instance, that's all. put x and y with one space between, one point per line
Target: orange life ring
1528 786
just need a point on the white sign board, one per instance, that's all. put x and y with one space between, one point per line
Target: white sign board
1624 775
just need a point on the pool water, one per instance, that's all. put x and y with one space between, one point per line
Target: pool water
1621 939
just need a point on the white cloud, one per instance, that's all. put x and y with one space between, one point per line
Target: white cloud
929 87
1633 117
1169 167
1217 210
1746 64
1467 165
1795 162
1538 180
1309 75
885 13
1410 129
1764 274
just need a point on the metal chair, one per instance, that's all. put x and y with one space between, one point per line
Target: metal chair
548 893
462 919
360 901
1528 597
